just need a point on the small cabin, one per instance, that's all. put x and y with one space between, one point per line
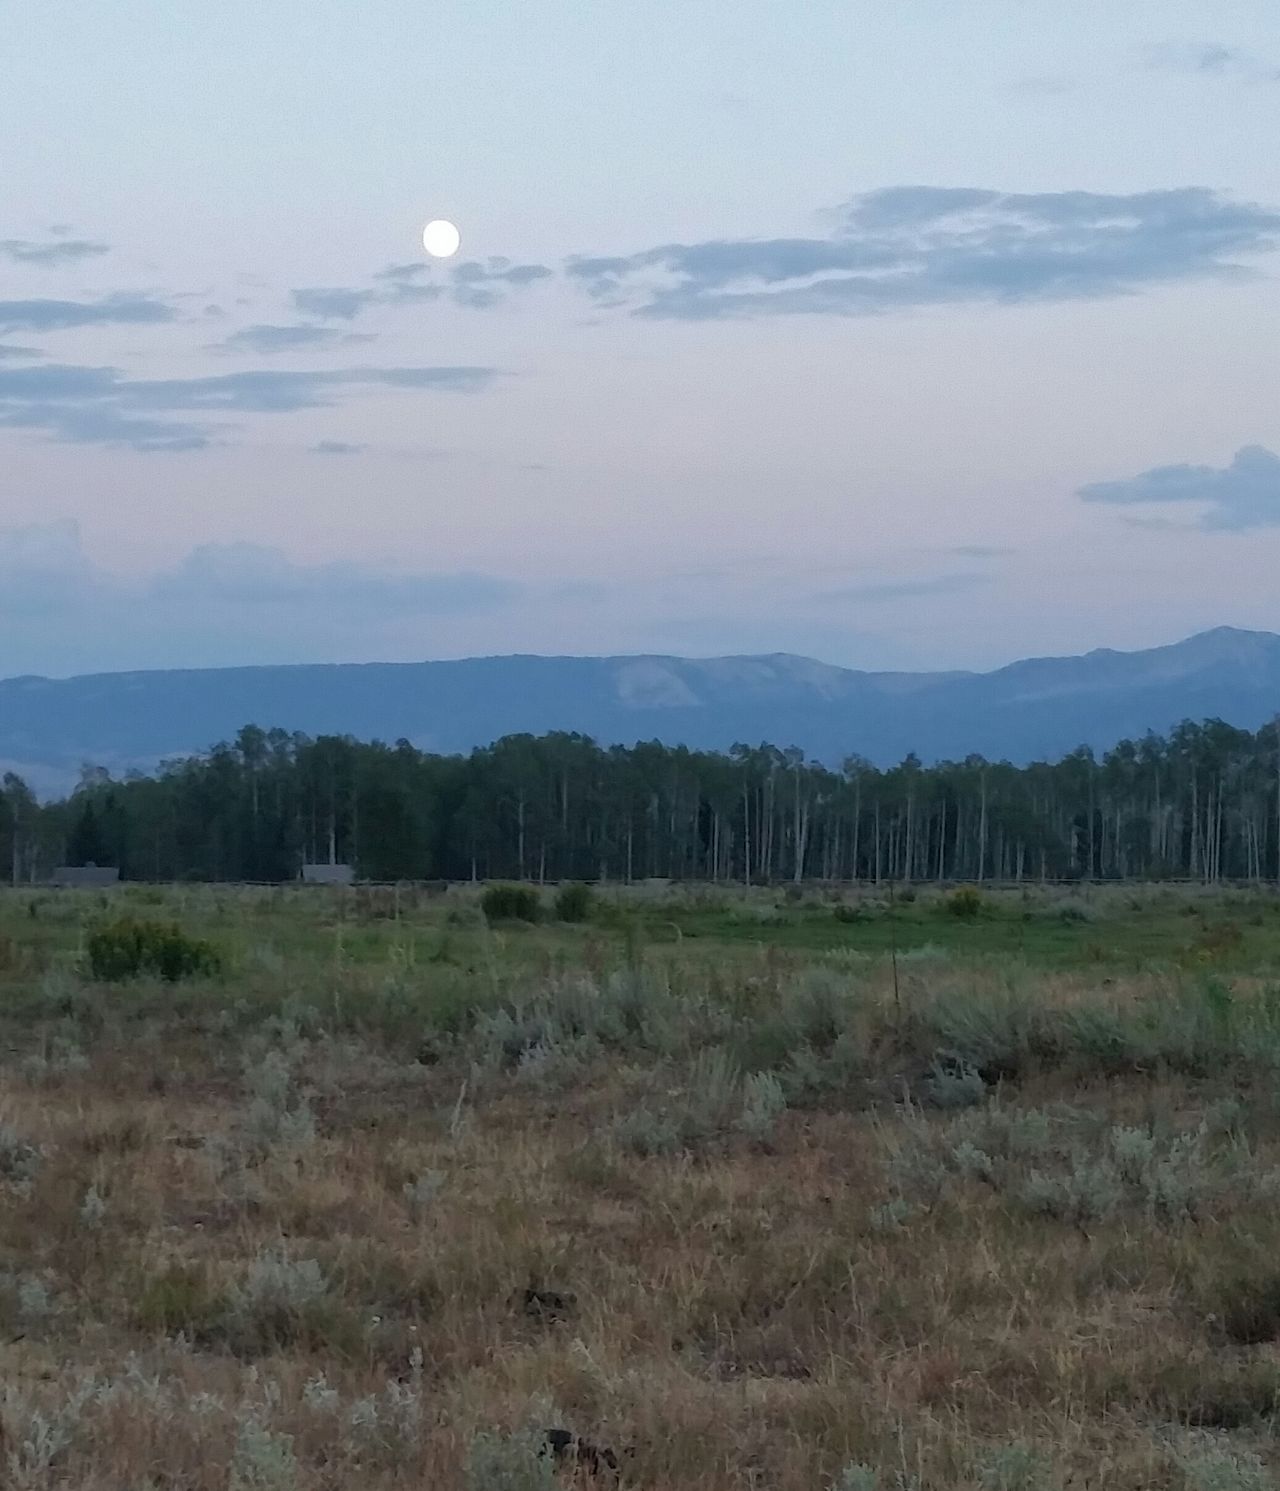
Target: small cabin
85 877
328 874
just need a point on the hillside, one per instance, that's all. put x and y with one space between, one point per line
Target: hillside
1040 707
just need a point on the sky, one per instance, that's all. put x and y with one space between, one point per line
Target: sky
911 336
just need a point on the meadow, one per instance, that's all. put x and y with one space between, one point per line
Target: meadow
793 1188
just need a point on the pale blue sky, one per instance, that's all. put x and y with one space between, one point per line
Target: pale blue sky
912 335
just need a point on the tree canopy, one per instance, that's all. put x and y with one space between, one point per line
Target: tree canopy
1203 802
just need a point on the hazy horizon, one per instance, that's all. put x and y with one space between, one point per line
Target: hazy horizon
687 657
912 342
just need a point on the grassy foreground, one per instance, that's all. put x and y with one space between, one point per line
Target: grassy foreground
696 1182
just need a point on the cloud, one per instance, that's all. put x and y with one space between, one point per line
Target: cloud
19 352
400 273
483 285
893 590
980 551
220 603
252 575
40 566
51 255
334 304
1245 494
100 405
59 315
1211 59
911 246
336 448
473 284
345 304
403 292
268 339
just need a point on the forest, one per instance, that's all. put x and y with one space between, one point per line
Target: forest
1203 803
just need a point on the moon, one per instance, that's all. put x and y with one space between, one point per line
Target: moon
441 239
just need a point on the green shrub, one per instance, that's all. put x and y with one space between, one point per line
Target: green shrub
965 902
574 903
511 903
129 948
179 1298
1248 1306
646 1133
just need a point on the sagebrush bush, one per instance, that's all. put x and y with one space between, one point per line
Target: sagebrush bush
1209 1464
1073 1169
276 1116
715 1101
763 1104
574 903
130 948
857 1478
1014 1467
19 1160
957 1085
263 1460
511 903
420 1194
283 1301
646 1133
510 1462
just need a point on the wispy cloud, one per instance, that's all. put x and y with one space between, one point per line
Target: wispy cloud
100 405
334 304
912 246
416 269
484 285
123 309
336 448
252 575
270 339
1245 494
25 353
474 284
905 589
1211 59
51 254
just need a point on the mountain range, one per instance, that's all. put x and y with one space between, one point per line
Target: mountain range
1038 708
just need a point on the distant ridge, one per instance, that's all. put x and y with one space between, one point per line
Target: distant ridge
1034 709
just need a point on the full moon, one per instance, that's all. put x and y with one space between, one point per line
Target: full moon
441 239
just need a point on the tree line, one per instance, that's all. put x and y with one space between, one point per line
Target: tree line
1203 803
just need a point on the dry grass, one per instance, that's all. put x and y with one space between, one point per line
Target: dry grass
252 1240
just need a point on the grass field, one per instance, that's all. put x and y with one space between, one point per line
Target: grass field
737 1189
